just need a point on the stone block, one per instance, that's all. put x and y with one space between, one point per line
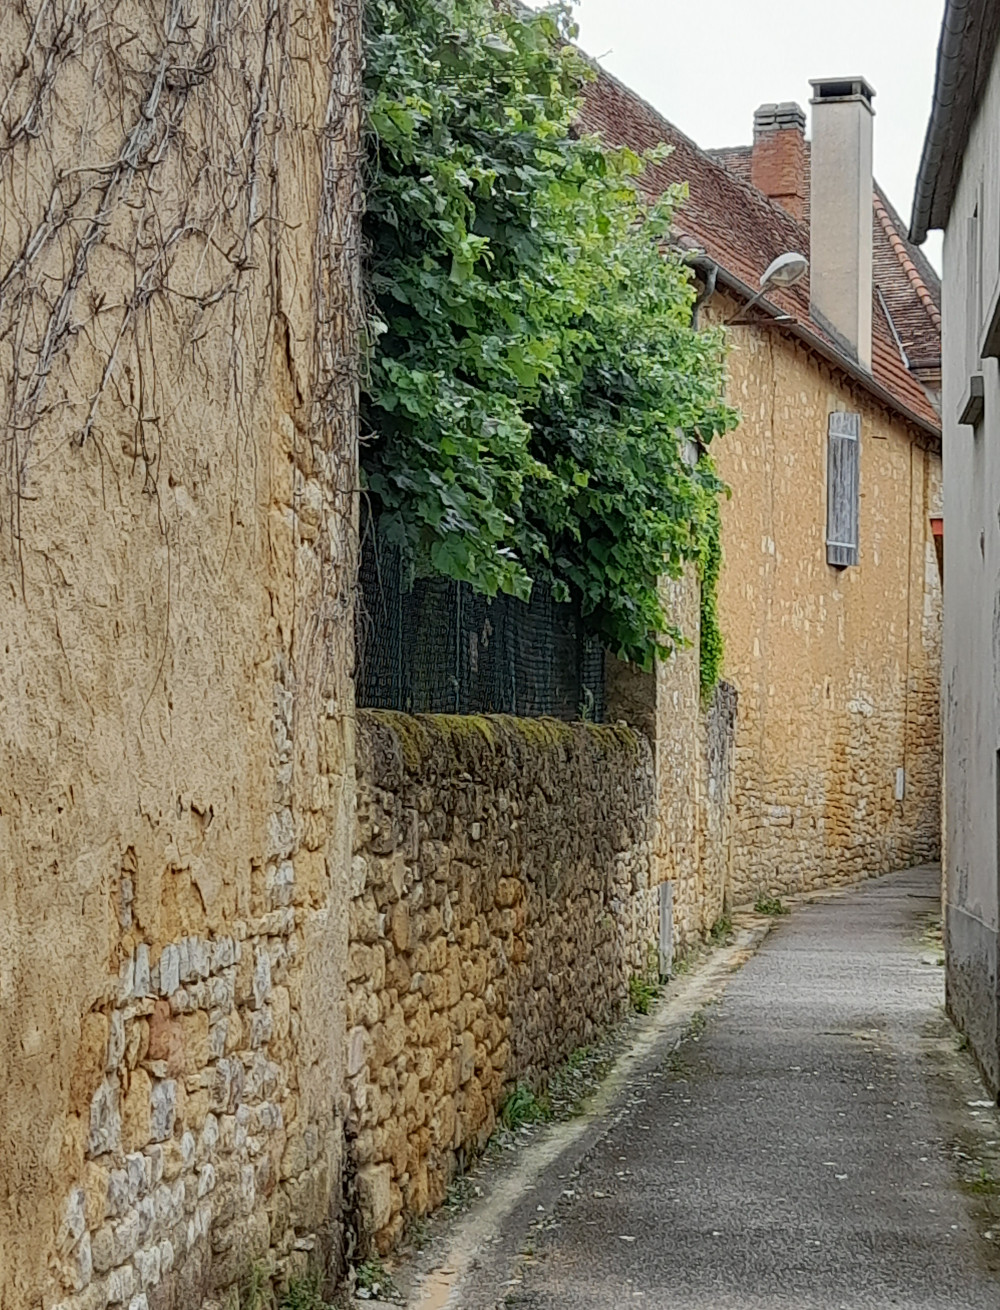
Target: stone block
399 926
105 1120
74 1221
375 1196
169 970
102 1247
121 1285
466 1057
147 1266
126 1237
137 1112
164 1108
356 1050
261 976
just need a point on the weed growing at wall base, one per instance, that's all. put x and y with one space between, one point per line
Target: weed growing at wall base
642 992
722 930
522 1107
373 1280
770 905
260 1292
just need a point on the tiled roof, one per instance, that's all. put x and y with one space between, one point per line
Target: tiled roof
743 231
909 284
911 288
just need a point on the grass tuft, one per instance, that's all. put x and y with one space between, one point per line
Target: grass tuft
722 930
642 992
523 1107
771 905
373 1279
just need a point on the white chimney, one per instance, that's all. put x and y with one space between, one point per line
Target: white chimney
840 209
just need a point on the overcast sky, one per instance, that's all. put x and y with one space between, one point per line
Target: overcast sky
707 64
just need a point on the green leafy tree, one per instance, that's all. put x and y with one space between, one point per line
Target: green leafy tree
538 406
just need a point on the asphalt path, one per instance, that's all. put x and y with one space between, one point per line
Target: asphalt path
818 1142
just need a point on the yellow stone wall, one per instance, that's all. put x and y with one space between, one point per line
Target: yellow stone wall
178 261
786 780
837 672
501 902
693 752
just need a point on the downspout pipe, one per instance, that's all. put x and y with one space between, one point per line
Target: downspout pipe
708 270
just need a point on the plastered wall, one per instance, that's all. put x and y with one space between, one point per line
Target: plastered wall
178 291
971 680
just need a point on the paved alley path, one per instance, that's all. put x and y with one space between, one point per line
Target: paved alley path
803 1151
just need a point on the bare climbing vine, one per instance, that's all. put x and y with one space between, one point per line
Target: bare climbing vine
151 155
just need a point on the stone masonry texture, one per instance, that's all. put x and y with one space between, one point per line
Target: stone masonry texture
176 711
785 781
501 901
837 671
693 750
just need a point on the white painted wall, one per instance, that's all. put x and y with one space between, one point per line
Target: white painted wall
971 669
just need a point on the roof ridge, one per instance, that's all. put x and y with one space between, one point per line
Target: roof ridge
909 267
925 268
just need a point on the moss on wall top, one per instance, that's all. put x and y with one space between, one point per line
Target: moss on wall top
441 745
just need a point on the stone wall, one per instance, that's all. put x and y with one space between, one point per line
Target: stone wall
178 411
786 780
693 752
837 671
501 900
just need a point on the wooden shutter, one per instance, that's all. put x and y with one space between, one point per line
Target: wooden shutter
842 489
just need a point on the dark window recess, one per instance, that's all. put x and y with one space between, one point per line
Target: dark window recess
843 489
431 646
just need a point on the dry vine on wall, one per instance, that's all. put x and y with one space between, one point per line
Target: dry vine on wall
179 288
142 143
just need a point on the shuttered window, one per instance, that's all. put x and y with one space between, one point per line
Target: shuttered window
842 489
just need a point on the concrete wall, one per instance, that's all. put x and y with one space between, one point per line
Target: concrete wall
971 677
836 671
176 763
502 900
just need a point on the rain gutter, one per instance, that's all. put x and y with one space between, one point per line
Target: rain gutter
846 365
965 57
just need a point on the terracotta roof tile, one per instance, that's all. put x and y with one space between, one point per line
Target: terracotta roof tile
911 288
909 284
743 231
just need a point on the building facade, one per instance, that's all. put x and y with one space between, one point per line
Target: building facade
830 592
958 190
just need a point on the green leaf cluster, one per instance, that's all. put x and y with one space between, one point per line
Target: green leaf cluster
537 405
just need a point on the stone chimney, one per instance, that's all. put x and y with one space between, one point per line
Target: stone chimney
840 212
778 164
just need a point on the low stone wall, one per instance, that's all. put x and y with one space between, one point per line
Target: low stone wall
501 902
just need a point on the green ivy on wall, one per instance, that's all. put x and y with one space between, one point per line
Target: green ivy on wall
710 566
534 379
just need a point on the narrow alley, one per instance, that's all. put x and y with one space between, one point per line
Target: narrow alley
818 1142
